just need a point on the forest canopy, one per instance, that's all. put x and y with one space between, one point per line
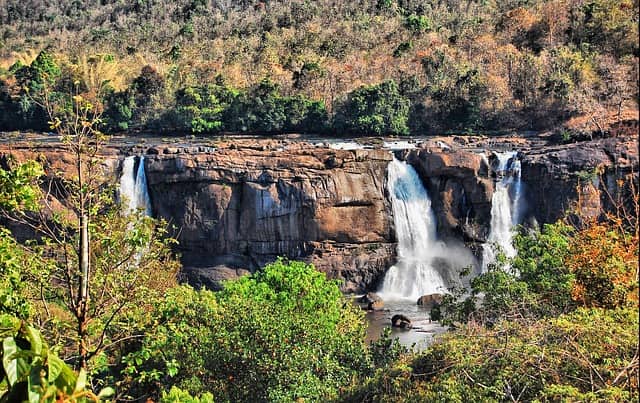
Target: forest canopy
302 66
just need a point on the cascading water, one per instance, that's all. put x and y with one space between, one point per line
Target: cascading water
133 186
416 272
505 207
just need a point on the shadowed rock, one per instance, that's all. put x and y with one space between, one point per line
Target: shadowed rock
401 321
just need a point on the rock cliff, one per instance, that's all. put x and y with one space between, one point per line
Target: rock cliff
582 175
241 207
242 204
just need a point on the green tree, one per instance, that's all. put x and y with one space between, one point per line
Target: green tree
98 265
282 334
31 82
374 110
19 192
205 109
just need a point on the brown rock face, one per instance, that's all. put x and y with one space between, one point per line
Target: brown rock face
582 175
238 208
430 300
320 205
460 188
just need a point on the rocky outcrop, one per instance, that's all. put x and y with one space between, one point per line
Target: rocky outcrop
430 300
237 206
401 322
371 302
316 204
580 176
460 188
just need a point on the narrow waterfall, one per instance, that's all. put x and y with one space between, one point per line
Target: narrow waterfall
133 186
421 268
505 207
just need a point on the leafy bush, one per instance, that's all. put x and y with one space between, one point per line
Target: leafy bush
604 260
31 372
535 283
13 288
176 395
281 334
418 23
556 359
541 264
215 108
203 109
374 110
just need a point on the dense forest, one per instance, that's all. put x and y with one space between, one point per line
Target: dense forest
361 68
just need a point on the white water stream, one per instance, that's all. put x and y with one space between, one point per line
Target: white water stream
505 208
423 261
133 186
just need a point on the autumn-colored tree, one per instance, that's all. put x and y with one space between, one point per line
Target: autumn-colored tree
603 254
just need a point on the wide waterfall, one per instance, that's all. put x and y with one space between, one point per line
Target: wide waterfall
133 186
423 265
505 207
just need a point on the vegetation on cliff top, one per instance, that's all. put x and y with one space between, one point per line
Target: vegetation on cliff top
283 66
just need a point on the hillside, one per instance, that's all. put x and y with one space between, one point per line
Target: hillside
274 66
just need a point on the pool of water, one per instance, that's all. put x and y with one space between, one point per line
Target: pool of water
423 329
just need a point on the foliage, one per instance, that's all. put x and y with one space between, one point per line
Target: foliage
374 110
549 359
95 265
18 187
604 261
202 108
18 193
177 395
386 350
281 334
216 108
120 109
516 64
536 283
541 264
31 372
14 288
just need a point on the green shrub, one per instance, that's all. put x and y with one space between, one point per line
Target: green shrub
281 334
31 372
374 110
587 355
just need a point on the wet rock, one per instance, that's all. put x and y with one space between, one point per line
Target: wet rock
401 321
372 302
430 300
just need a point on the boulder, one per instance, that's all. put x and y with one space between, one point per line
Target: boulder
430 300
401 322
372 302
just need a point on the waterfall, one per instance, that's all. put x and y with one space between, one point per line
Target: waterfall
422 267
505 207
133 186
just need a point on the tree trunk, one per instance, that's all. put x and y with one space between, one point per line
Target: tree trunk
83 255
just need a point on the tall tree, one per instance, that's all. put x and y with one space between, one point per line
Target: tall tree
99 265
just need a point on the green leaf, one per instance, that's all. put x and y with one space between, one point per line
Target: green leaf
35 340
14 367
81 382
9 326
35 388
106 393
56 365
